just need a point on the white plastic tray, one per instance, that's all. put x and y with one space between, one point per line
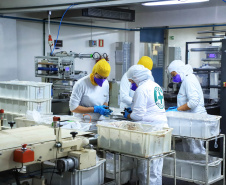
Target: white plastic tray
25 90
144 144
194 125
192 167
21 106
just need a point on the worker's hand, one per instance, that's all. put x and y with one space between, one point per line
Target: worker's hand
126 114
102 110
128 109
172 109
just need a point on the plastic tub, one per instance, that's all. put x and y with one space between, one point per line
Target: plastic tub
192 167
143 144
194 125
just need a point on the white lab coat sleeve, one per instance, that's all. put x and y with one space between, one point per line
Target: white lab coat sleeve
124 90
192 94
139 105
76 96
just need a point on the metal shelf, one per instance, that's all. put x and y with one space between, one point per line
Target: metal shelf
222 177
211 59
211 37
206 69
211 31
206 49
148 159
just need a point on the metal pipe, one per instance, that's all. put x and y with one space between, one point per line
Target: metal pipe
119 166
223 159
115 175
64 23
186 53
148 171
184 27
44 38
78 55
175 168
207 161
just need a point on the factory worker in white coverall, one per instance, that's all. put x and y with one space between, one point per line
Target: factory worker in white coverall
126 94
90 94
148 106
189 99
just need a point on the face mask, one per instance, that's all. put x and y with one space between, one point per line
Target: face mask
177 78
99 81
133 86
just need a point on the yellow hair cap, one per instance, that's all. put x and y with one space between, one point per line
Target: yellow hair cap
146 62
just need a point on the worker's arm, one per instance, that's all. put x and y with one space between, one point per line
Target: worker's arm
139 105
183 107
193 95
83 110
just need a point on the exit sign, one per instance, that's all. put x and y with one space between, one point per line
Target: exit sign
171 37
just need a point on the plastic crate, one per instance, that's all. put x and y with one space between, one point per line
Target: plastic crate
194 125
13 106
25 90
192 167
144 144
89 176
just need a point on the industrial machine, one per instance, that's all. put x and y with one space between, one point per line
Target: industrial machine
42 143
59 69
209 73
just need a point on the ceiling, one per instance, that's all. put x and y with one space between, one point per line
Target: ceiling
211 3
39 9
15 6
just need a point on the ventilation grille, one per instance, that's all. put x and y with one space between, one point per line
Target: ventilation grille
116 14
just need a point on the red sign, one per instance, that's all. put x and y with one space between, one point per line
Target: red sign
101 42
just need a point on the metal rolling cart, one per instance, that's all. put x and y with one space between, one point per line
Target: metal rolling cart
207 164
148 159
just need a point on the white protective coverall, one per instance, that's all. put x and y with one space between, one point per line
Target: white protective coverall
87 95
126 94
148 106
191 93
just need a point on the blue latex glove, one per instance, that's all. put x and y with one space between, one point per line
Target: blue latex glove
172 109
128 109
102 110
126 114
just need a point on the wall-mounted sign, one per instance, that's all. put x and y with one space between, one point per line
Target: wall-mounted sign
171 37
101 42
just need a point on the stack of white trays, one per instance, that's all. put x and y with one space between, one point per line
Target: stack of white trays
16 97
198 168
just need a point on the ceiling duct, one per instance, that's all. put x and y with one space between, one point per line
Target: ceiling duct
110 13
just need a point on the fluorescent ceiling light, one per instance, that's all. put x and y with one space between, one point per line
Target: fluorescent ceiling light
172 2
